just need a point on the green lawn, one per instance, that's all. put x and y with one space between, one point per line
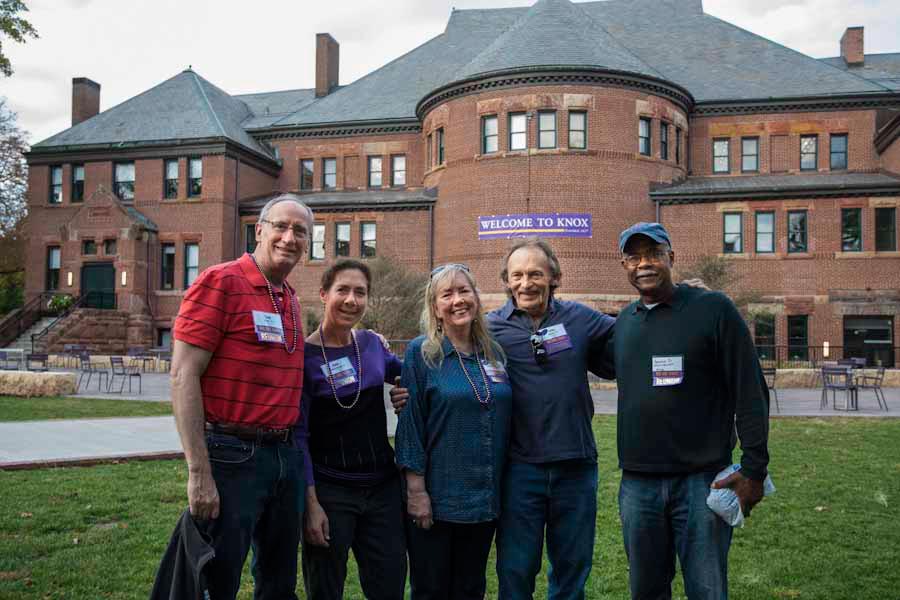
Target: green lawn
41 409
831 531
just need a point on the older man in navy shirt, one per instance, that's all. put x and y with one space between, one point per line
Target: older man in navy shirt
551 479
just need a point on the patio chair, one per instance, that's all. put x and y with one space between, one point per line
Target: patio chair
770 373
873 382
37 362
839 379
165 361
125 372
86 367
10 361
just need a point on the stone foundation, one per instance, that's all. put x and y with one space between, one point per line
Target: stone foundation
102 331
28 384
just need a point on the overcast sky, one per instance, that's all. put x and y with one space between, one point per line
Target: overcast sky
129 46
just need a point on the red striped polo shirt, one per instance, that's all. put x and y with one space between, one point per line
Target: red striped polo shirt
246 381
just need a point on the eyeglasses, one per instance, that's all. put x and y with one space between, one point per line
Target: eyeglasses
442 268
300 231
655 256
538 349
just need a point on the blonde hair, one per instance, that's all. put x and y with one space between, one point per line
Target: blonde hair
432 350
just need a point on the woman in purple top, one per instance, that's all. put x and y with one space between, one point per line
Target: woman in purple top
353 498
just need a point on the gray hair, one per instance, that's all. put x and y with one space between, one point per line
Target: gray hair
286 197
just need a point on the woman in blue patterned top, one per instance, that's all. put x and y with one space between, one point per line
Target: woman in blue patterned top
451 440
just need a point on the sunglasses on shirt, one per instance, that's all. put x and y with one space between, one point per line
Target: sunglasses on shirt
442 268
538 349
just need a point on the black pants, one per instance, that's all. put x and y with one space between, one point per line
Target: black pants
370 521
449 561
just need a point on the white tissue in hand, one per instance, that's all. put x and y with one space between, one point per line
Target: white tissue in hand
724 502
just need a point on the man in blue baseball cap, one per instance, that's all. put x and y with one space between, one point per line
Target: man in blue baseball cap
687 372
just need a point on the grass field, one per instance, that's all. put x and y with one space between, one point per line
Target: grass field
41 409
830 532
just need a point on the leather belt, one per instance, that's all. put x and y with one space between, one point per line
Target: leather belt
250 433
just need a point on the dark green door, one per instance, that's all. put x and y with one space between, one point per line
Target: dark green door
98 283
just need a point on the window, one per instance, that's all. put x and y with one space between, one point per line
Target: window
398 171
733 233
306 174
749 155
765 232
375 164
163 338
77 183
721 153
367 243
546 129
250 237
55 185
195 183
797 231
518 131
578 130
329 173
170 185
678 145
851 229
489 134
644 136
429 144
167 267
54 255
885 229
440 146
838 151
191 263
809 152
317 247
798 347
109 247
342 239
664 140
89 247
764 335
123 183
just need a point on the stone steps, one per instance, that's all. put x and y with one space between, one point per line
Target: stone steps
23 342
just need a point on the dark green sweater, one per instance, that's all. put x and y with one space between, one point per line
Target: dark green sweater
689 426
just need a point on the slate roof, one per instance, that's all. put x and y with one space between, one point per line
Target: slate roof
181 108
353 200
883 69
668 39
777 185
140 218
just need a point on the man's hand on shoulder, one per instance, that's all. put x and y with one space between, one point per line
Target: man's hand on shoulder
749 491
696 283
399 396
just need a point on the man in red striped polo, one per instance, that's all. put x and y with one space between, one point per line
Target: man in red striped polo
237 372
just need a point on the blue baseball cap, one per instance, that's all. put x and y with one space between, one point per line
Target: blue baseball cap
654 231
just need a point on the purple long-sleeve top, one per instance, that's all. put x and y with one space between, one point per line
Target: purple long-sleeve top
348 446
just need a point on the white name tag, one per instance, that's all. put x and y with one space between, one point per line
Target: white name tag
495 371
268 327
341 370
667 370
556 339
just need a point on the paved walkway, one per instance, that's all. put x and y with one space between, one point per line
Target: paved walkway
87 441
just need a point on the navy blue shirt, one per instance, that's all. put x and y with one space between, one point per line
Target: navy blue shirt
552 405
445 434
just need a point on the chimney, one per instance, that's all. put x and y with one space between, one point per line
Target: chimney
327 52
852 47
85 99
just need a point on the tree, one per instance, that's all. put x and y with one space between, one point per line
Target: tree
395 299
718 274
14 27
13 183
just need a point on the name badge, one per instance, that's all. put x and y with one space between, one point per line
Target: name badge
495 371
556 339
667 370
341 370
268 327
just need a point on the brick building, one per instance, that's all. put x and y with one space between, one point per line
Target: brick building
623 110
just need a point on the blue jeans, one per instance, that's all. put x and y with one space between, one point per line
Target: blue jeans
261 501
562 497
664 516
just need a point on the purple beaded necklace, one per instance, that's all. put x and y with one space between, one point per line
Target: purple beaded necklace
289 299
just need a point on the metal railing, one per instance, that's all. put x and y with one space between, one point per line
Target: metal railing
20 320
88 300
812 357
